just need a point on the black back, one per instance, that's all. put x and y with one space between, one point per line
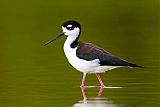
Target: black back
90 52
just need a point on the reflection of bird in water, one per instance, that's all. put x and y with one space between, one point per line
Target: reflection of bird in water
86 57
95 101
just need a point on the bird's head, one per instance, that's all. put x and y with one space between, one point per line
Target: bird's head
70 28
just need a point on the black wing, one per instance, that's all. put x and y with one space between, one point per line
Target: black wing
90 52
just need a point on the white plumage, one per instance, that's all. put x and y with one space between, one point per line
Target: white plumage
80 64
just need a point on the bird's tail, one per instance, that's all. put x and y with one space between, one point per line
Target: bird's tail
134 65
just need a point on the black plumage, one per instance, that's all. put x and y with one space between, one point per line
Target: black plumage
88 51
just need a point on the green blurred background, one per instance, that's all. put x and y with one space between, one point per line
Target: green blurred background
33 75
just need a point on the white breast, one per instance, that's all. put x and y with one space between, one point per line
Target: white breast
80 64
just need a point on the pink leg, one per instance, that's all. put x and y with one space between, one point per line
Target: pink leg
99 79
83 93
83 80
100 91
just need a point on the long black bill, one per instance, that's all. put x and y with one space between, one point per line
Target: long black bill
61 34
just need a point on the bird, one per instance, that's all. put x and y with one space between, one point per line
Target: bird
87 57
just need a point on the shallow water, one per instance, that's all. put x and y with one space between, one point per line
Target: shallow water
32 75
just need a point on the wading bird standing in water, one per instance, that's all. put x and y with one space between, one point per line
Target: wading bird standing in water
86 57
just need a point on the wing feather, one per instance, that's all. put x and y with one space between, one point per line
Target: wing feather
88 51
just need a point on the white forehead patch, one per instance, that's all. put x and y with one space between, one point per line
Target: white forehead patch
69 26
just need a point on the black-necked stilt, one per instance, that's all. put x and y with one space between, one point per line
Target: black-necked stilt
86 57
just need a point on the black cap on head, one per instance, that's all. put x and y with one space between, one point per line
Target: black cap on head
73 23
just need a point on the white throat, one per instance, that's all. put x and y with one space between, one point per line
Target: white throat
70 40
72 35
68 50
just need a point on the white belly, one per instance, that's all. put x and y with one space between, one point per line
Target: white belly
83 65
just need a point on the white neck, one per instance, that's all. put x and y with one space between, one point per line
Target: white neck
72 35
67 46
69 41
